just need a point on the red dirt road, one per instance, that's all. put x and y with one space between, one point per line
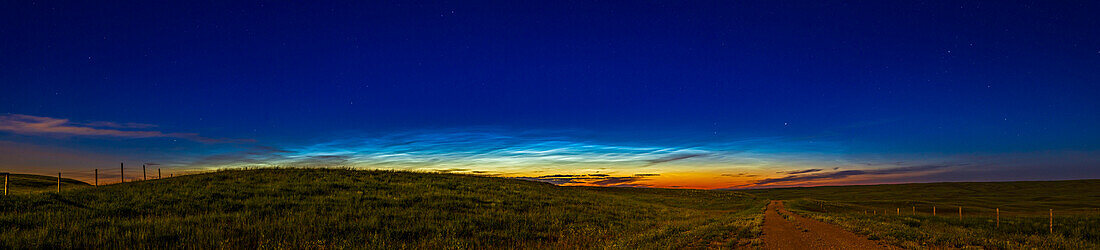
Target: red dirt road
796 232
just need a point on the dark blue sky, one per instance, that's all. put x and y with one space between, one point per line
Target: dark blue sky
880 80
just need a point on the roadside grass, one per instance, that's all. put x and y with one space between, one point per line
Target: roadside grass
325 208
1024 213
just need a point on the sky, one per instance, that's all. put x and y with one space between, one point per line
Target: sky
671 94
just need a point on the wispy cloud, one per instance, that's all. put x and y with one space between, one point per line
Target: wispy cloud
251 155
554 179
740 175
127 125
675 157
850 173
536 156
613 181
589 179
488 149
37 125
564 160
803 171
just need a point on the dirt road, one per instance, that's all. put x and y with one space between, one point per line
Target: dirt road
786 230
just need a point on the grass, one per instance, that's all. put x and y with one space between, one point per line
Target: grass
1024 213
338 208
342 208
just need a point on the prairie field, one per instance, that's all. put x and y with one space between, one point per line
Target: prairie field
902 214
374 209
345 208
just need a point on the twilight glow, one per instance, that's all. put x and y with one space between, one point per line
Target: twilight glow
681 95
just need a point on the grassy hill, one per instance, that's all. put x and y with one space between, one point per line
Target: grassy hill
391 209
902 214
29 183
373 209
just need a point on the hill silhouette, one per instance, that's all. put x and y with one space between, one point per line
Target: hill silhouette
373 209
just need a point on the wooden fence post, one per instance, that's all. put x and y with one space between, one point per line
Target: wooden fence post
1052 221
121 172
58 182
143 176
158 173
97 177
998 217
933 210
6 183
960 212
899 210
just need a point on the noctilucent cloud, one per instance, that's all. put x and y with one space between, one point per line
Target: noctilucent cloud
643 94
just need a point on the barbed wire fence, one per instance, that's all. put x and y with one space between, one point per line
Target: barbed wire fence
66 179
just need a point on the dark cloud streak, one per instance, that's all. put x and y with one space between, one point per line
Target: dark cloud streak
611 181
591 179
672 158
801 171
850 173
